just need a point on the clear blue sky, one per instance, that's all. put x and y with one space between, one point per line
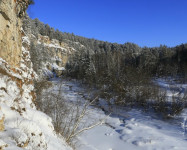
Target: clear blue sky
144 22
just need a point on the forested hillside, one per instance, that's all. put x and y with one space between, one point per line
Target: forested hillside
54 86
161 60
124 71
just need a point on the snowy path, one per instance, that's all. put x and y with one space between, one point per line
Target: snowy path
133 130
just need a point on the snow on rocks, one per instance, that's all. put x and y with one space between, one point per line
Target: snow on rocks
3 144
20 137
24 126
56 67
2 117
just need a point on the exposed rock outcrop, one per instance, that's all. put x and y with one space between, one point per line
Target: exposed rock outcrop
11 12
59 51
49 56
21 125
2 118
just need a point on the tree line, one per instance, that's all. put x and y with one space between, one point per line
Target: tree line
124 71
160 60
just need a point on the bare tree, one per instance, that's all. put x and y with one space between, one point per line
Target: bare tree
68 116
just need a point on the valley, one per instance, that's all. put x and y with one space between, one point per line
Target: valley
128 128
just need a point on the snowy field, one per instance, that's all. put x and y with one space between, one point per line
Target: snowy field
128 129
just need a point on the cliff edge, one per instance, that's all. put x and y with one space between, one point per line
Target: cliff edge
21 125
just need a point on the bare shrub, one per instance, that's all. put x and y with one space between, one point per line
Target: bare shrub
169 104
178 101
68 116
39 87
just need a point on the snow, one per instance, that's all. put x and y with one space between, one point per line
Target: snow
56 46
130 129
28 125
25 127
26 40
56 67
172 88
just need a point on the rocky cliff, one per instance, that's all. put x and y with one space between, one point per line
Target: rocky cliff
49 52
58 54
21 125
11 12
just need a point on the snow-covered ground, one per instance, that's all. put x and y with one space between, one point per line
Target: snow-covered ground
22 125
172 87
128 129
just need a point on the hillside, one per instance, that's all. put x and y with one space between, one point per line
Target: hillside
21 125
121 76
129 90
161 61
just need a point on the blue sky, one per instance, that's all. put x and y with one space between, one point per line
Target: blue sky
144 22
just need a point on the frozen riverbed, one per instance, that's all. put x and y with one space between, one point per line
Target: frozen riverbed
128 129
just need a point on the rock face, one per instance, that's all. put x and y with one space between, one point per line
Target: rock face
2 117
59 51
21 125
49 55
16 82
11 12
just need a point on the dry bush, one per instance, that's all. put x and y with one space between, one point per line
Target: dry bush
166 105
68 116
40 86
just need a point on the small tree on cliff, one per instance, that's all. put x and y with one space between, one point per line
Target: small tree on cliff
31 2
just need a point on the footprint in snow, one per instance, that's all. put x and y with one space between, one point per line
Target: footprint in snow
128 127
120 131
133 119
136 124
108 134
142 142
127 131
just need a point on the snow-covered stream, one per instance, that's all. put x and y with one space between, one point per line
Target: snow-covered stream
133 129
